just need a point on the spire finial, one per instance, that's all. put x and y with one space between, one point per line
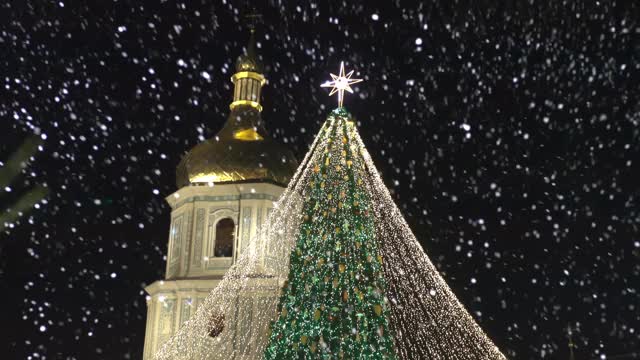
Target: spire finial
253 17
249 62
248 79
340 83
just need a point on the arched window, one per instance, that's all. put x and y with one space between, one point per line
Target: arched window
225 229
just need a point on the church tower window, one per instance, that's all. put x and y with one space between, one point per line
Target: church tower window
223 246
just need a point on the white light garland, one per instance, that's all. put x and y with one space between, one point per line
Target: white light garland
426 318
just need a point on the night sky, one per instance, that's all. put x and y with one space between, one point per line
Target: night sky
508 132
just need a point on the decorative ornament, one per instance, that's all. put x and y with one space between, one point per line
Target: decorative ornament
340 83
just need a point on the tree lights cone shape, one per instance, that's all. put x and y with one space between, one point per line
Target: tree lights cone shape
334 272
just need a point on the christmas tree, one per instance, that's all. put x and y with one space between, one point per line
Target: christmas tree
335 272
334 300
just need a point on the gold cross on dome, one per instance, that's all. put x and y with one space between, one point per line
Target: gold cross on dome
340 83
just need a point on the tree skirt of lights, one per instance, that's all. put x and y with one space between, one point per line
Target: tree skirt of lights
334 272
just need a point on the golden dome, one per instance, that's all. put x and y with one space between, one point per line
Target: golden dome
241 152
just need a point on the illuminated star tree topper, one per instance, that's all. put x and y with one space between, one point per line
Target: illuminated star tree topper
340 83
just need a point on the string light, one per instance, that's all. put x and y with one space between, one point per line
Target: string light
424 316
334 272
334 304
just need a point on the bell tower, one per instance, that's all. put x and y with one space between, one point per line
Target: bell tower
226 188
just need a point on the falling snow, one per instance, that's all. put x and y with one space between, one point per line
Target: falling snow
510 137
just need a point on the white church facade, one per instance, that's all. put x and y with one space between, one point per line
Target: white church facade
227 186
